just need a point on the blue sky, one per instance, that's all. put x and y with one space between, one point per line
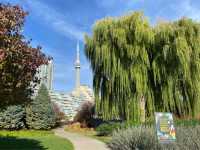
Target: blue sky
57 25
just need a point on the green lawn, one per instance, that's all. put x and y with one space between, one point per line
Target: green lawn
32 140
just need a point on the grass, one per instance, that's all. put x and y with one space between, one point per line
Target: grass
105 139
89 133
32 140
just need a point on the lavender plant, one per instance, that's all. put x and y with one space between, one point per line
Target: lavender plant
144 138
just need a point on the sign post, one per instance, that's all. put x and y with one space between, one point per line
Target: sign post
165 127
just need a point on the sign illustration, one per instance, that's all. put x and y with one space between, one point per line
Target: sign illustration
165 127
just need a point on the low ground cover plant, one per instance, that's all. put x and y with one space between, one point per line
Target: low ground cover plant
77 127
187 122
144 138
106 129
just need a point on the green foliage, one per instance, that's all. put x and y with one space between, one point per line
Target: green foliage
187 123
107 129
12 117
40 113
151 123
130 59
145 138
32 140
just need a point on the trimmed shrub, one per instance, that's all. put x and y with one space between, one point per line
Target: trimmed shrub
12 117
187 122
95 122
40 113
107 129
143 138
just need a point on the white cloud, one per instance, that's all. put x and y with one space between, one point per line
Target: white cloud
178 9
186 9
54 19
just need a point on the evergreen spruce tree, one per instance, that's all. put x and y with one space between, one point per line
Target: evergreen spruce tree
12 117
40 113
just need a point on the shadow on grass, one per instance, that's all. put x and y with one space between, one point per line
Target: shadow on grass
14 143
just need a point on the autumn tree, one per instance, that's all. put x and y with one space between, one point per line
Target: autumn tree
18 60
132 60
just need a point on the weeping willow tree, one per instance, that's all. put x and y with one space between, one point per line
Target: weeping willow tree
131 59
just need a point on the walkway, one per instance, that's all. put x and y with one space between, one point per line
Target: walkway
81 142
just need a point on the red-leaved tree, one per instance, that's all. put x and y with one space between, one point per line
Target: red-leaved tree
18 60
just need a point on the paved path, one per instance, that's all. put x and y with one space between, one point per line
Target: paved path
81 142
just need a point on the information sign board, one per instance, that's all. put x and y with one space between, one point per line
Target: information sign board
165 127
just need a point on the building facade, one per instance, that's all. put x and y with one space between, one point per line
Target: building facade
71 102
45 75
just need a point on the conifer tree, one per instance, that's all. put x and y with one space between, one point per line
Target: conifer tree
40 113
12 117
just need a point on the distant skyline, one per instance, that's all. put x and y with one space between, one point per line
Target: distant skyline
57 25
